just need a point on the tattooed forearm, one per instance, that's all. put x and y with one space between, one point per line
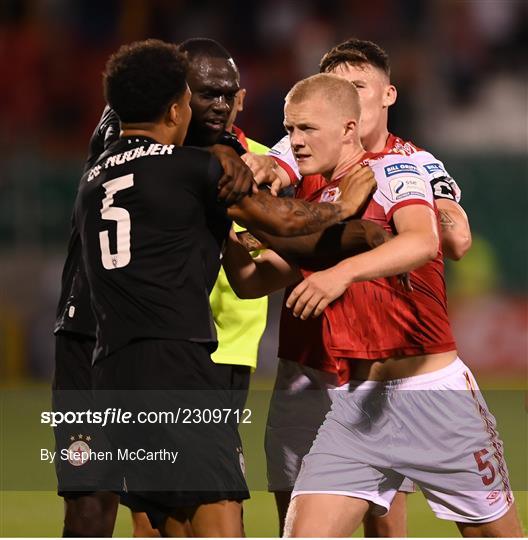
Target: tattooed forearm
285 216
324 248
249 241
446 222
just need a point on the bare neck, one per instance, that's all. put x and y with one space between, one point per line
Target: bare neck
376 140
348 160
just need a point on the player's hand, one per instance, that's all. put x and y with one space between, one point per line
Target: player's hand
356 187
313 294
267 171
405 281
237 180
377 236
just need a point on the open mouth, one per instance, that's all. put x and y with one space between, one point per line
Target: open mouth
216 124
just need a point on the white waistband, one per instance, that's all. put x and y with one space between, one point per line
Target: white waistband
408 383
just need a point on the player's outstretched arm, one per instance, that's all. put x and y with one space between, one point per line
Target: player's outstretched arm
456 233
253 278
267 171
294 217
324 248
415 244
237 179
286 217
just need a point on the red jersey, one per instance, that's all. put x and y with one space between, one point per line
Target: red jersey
375 319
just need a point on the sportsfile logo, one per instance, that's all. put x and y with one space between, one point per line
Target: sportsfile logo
433 168
401 168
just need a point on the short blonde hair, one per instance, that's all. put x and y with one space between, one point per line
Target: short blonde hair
332 88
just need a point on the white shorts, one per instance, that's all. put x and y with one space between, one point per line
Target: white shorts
299 404
434 429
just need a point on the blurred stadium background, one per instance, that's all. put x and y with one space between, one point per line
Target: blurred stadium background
460 68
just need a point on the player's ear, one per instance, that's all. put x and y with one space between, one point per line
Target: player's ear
390 95
350 129
174 113
239 99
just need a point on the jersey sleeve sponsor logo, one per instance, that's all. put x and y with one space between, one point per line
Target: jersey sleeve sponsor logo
433 168
400 168
407 187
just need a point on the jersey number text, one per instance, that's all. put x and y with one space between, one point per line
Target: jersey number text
121 257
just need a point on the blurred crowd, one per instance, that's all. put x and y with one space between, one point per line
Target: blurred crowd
449 58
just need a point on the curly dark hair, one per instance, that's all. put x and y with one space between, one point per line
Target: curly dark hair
355 51
142 79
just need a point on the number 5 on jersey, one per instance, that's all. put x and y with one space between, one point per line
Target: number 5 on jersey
121 257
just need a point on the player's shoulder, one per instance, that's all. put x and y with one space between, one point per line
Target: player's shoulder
148 157
431 164
194 167
201 159
387 165
398 177
193 152
397 145
184 158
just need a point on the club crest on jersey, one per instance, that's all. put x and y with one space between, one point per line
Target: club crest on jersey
400 168
432 168
402 188
330 195
78 452
404 148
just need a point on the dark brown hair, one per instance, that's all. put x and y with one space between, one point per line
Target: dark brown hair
355 52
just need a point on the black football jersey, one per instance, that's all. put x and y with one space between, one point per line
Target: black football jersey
74 312
152 231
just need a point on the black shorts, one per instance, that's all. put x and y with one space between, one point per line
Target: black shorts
240 378
193 455
72 393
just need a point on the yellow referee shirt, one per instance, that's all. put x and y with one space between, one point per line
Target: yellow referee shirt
239 323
